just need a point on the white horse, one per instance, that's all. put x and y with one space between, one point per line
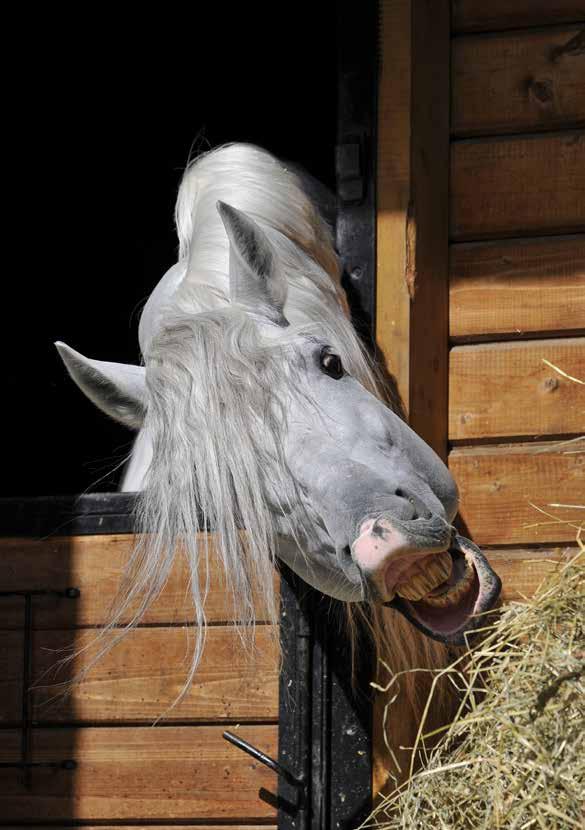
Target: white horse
257 408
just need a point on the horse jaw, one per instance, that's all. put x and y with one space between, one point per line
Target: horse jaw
387 503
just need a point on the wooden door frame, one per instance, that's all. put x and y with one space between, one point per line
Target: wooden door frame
412 311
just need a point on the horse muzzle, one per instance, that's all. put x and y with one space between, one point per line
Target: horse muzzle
437 579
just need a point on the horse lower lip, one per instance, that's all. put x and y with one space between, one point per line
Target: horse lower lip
479 589
448 617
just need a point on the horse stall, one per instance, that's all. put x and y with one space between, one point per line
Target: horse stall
461 226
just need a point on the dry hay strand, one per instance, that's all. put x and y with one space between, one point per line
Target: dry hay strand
514 755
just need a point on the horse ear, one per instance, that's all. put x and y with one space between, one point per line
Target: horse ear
117 389
255 281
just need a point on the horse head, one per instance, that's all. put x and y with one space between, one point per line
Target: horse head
257 422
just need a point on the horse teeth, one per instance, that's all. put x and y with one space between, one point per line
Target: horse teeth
452 595
432 572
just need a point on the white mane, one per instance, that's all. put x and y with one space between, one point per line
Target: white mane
213 435
251 180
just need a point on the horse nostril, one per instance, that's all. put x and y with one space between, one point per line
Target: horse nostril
415 514
419 509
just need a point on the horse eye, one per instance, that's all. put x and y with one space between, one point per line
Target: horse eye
331 365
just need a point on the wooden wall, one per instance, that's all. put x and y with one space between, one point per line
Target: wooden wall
517 275
481 261
129 771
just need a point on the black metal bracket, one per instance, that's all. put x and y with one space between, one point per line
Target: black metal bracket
325 714
25 764
68 764
68 593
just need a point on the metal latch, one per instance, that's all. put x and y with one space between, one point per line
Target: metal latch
273 765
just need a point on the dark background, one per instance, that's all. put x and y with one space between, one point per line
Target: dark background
103 114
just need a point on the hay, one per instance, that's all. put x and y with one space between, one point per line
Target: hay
514 756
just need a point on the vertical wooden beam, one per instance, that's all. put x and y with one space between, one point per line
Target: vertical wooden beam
412 225
393 190
412 261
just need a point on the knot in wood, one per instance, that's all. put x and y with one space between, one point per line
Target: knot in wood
551 384
541 91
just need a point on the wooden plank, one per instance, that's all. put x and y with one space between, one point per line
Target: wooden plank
506 389
11 667
518 186
93 564
502 486
518 82
523 571
412 194
144 674
427 242
517 286
393 304
412 243
137 774
479 16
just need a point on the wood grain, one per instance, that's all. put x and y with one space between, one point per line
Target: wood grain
144 674
479 16
412 229
412 239
427 239
94 565
500 484
517 286
523 571
505 389
136 774
518 82
393 167
518 186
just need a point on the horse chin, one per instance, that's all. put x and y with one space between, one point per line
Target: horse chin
458 606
